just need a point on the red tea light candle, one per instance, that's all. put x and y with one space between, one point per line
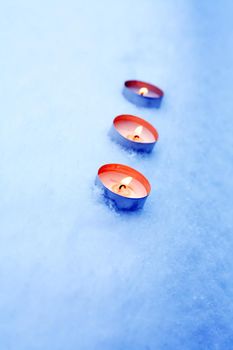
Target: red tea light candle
142 94
125 186
133 132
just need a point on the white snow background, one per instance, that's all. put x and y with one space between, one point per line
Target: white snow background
75 274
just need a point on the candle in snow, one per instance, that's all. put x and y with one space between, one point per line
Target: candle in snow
124 185
142 94
133 132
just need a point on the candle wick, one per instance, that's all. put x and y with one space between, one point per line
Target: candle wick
122 186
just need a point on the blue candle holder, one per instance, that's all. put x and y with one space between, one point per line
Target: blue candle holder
123 185
134 133
142 94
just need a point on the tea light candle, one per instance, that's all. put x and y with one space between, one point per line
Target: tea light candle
133 132
125 186
142 94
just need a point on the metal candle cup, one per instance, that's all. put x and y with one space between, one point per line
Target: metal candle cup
133 132
125 186
143 94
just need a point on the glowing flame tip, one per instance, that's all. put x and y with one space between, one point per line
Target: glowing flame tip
143 91
138 130
126 181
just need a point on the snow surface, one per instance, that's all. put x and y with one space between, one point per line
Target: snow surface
75 274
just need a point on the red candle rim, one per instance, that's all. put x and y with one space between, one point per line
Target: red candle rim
143 122
139 84
125 169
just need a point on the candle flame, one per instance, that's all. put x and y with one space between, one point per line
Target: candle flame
126 181
138 130
143 91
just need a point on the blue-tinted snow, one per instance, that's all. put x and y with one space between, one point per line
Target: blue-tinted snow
74 274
